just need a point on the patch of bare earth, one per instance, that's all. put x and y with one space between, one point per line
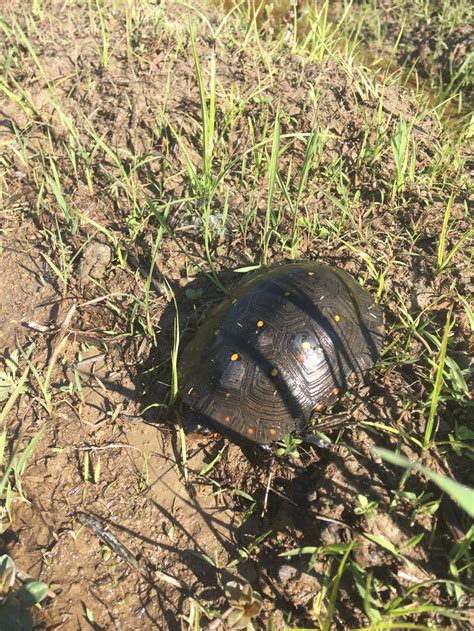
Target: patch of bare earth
27 289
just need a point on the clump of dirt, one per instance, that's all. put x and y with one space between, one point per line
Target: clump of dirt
102 288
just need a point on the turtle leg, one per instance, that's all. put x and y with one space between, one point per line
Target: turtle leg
333 422
195 423
330 423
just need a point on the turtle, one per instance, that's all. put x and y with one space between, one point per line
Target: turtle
281 347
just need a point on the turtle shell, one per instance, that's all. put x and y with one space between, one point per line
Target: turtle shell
283 345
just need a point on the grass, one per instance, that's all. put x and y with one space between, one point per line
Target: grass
440 71
13 455
236 142
16 602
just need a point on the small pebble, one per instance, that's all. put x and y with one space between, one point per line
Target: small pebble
286 572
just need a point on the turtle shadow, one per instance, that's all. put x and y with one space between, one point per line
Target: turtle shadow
312 504
178 322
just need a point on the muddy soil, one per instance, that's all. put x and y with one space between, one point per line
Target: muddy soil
107 451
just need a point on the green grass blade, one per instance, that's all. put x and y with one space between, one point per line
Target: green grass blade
438 380
458 492
14 395
272 176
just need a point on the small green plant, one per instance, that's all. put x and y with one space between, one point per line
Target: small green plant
459 493
324 610
105 34
208 112
15 602
8 380
422 504
252 549
12 467
438 383
245 604
445 258
288 446
142 477
366 507
272 178
90 472
404 155
461 565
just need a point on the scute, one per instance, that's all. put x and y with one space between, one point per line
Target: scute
282 345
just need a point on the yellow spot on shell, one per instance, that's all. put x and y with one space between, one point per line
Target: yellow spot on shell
227 419
234 357
337 317
250 430
273 432
274 372
336 391
310 273
305 346
319 407
260 323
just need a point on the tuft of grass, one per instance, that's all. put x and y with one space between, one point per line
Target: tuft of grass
14 456
207 99
16 602
459 493
272 178
438 382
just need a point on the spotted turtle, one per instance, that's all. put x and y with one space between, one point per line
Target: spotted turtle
282 346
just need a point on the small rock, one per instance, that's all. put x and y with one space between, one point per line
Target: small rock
286 572
332 534
43 536
312 496
95 258
304 589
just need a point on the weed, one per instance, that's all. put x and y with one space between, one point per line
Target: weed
8 377
366 507
438 381
461 494
288 446
272 177
207 99
16 602
13 466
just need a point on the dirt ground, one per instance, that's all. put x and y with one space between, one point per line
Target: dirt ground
107 451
